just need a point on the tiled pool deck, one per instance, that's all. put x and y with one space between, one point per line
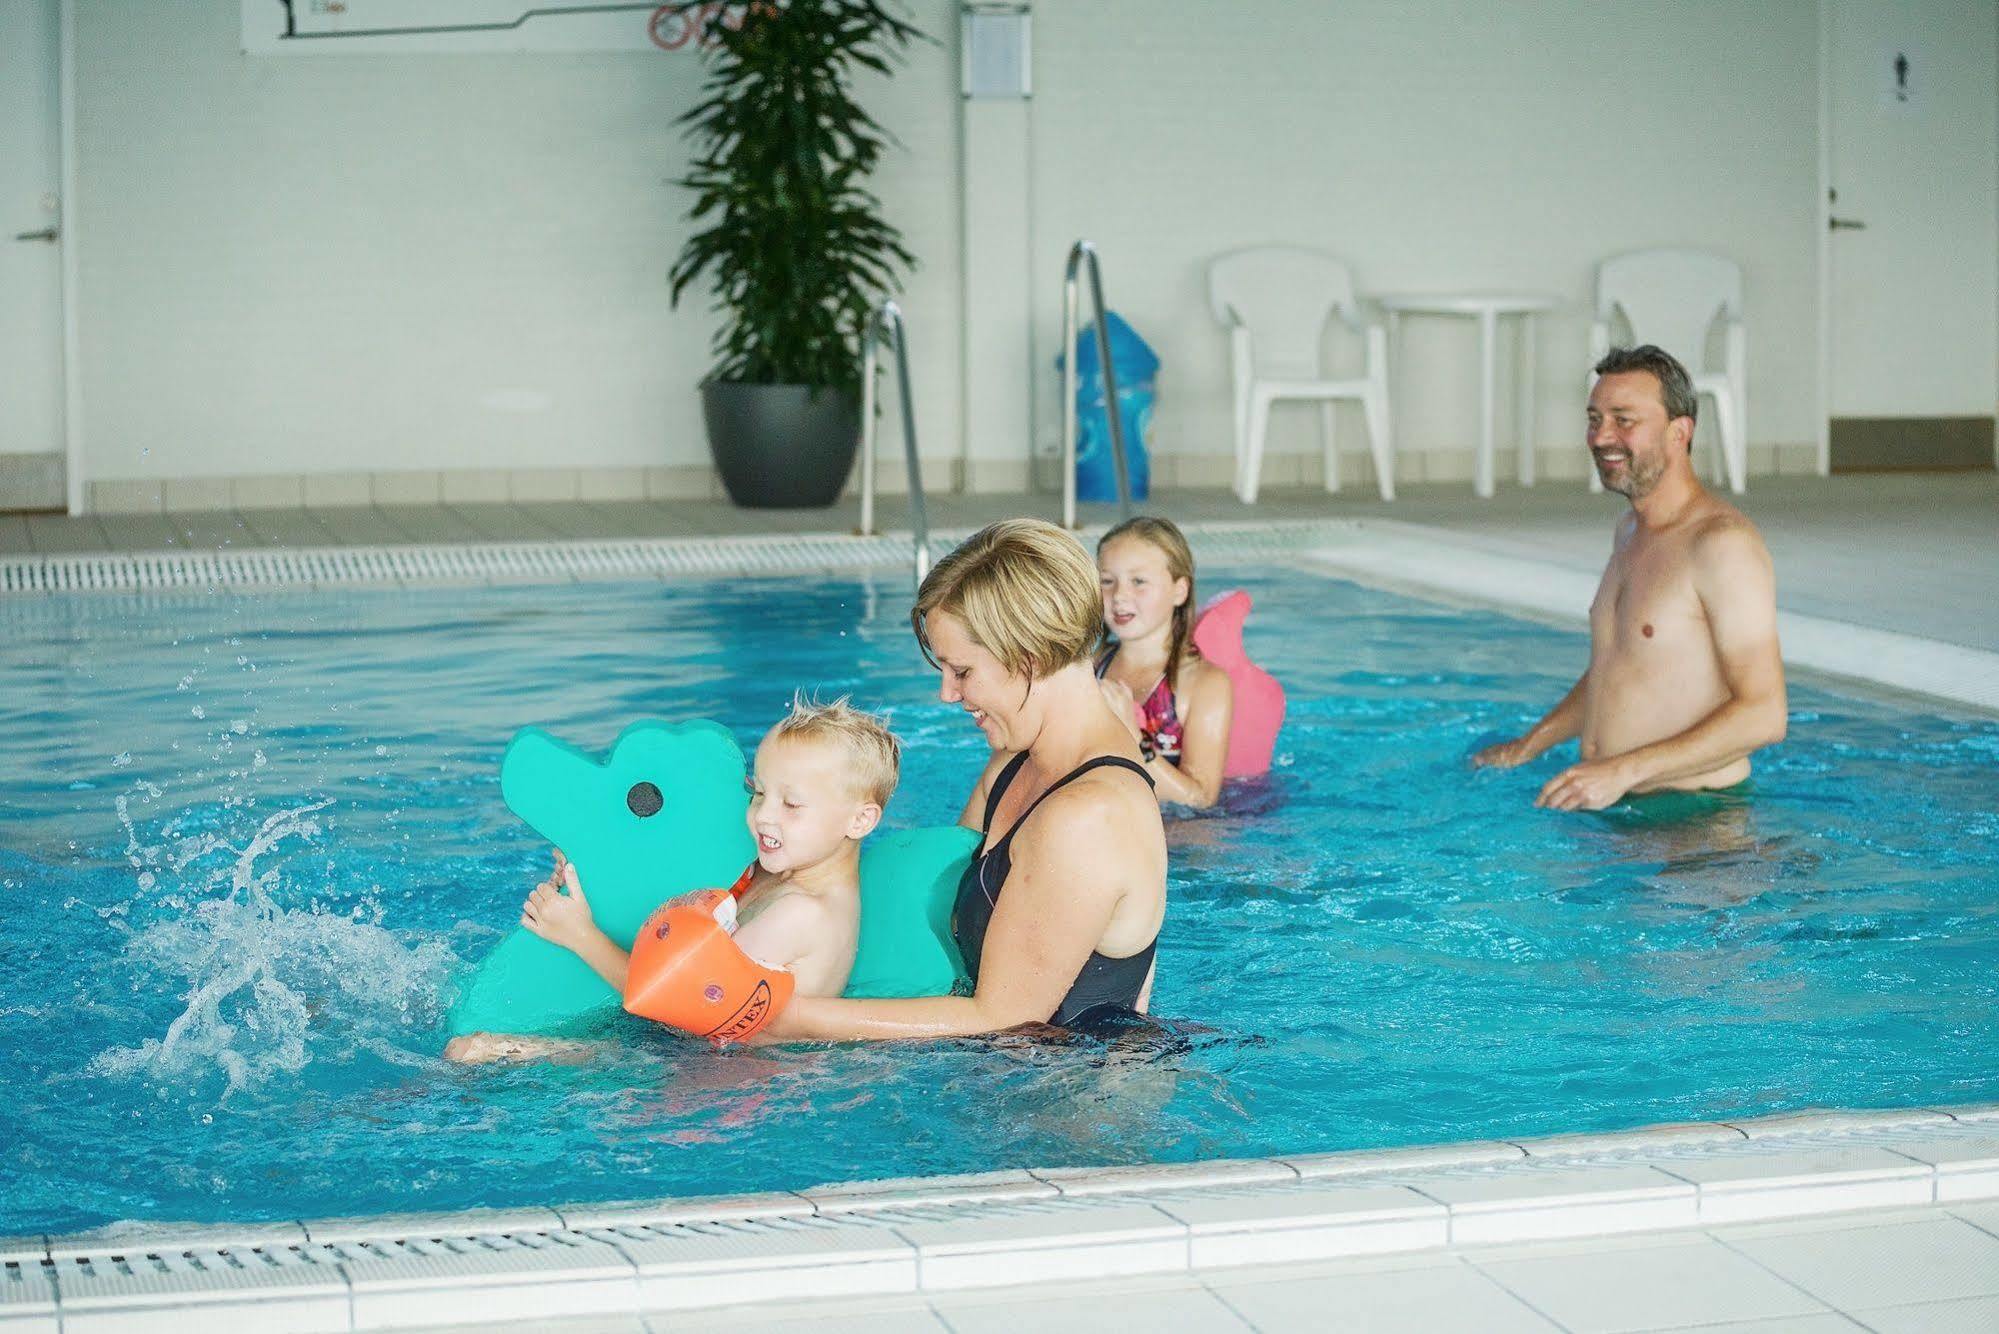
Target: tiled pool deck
1835 1221
1912 553
1884 1221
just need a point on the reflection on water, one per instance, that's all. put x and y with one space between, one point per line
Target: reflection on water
250 845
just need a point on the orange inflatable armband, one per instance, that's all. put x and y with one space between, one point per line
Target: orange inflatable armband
687 972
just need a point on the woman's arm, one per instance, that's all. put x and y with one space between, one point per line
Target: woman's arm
1071 865
1208 712
974 814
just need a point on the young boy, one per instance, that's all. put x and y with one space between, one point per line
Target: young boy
821 778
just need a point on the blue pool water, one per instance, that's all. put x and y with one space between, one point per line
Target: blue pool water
250 845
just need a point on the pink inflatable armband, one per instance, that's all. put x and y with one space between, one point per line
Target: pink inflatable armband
1259 700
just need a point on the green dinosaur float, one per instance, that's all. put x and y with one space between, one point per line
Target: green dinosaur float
664 814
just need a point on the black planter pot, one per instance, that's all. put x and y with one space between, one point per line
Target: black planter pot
781 446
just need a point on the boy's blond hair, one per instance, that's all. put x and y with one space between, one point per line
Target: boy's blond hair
1026 591
874 755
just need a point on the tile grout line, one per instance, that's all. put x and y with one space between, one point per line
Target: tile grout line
1500 1283
1935 1169
1829 1305
1969 1222
1202 1280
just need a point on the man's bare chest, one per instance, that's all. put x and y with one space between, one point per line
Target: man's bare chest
1647 597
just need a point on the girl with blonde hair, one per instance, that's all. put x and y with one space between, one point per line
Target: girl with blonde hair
1177 704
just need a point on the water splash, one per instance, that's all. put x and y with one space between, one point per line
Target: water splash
270 988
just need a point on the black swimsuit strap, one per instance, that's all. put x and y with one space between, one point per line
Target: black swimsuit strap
1006 777
1000 785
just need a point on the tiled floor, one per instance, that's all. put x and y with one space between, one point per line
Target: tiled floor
1926 1269
1840 1220
1915 553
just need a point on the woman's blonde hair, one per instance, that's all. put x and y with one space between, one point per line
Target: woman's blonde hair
874 755
1026 592
1165 535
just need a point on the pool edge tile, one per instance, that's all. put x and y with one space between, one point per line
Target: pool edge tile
1794 1195
1082 1182
398 1284
1966 1183
1084 1238
1557 1204
1820 1120
1587 1144
785 1259
1379 1162
695 1209
1970 1112
1304 1223
1017 1183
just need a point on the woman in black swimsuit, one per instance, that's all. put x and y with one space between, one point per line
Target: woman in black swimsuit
1058 915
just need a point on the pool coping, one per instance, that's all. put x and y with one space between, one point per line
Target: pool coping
1416 559
995 1230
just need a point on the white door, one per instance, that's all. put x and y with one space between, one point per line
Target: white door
31 335
1913 121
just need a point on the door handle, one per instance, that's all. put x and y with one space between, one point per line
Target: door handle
48 234
1845 225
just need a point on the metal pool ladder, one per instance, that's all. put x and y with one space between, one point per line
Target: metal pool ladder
1078 253
886 325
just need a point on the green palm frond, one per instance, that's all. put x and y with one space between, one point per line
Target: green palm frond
792 243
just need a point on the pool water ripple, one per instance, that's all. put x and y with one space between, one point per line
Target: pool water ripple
250 847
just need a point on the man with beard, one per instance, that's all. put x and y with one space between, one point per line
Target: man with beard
1684 678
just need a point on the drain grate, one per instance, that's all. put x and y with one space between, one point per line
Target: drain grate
505 562
451 1270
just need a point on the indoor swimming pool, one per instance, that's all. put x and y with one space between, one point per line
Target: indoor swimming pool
252 843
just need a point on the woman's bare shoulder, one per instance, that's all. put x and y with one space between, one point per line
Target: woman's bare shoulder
1107 792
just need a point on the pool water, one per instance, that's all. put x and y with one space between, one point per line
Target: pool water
250 845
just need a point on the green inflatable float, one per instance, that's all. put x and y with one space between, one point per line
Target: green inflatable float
665 815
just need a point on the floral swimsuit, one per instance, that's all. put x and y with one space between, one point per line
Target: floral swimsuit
1158 721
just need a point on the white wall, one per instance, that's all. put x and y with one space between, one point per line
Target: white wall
364 263
1434 145
1912 295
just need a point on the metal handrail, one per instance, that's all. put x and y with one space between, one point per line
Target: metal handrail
1084 250
886 322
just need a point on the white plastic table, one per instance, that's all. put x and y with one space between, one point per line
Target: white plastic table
1487 308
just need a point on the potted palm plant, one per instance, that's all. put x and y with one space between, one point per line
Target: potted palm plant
790 237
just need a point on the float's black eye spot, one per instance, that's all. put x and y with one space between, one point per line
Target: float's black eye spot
644 799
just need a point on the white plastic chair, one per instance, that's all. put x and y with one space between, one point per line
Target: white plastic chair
1671 298
1275 301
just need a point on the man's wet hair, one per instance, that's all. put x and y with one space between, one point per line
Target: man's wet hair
1675 385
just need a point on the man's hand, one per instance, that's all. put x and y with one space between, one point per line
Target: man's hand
1505 755
1589 786
559 918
